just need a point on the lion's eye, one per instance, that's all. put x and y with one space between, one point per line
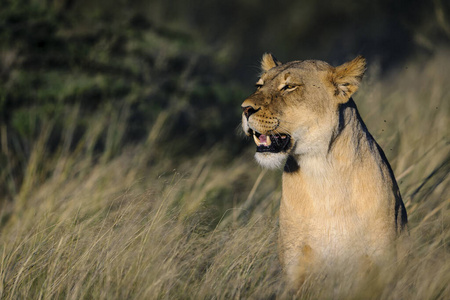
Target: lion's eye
289 87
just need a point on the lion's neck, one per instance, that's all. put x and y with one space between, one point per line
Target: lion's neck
332 169
343 148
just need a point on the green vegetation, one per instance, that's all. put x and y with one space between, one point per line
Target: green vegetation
122 175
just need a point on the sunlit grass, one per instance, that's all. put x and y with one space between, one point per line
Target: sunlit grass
139 224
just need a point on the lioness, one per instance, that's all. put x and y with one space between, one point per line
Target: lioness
340 201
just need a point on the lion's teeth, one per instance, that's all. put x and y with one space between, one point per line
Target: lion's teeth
262 140
256 140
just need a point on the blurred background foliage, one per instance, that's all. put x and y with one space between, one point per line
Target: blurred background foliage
185 66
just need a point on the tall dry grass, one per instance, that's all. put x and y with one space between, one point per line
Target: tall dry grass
140 226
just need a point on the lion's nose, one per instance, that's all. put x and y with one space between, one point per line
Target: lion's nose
248 111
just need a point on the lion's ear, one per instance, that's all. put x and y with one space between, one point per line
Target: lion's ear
347 77
268 62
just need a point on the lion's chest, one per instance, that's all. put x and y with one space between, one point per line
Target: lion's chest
319 209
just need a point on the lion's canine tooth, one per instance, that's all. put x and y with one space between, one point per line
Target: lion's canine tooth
256 140
268 140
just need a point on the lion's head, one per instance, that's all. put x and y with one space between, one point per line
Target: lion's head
294 110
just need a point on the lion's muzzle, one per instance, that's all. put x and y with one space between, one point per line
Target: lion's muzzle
271 143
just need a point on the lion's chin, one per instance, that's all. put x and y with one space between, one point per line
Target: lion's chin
271 160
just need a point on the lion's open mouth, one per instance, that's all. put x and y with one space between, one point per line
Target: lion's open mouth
271 143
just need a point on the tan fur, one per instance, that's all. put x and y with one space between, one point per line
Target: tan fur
268 62
340 201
